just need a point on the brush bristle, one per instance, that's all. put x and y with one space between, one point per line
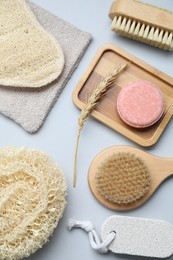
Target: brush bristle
122 178
143 32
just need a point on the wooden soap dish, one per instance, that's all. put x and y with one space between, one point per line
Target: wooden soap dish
106 59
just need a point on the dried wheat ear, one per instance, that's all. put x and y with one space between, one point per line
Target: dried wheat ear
99 91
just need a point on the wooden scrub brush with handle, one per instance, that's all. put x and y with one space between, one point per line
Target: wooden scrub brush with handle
143 22
124 177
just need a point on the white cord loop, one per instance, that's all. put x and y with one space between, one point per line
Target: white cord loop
101 247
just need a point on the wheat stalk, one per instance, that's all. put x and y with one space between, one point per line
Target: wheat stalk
98 92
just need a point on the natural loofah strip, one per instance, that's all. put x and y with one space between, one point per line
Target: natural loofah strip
30 56
32 200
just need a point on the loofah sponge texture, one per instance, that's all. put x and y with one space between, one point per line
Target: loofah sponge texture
30 56
32 200
122 178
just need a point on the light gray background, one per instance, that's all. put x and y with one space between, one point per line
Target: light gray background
58 134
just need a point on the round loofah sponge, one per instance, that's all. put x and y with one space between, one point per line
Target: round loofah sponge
122 178
32 200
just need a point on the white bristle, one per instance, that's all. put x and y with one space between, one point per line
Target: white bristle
123 24
132 28
165 37
119 21
165 41
156 36
114 22
142 29
170 39
160 36
171 46
147 29
137 28
128 24
143 32
151 34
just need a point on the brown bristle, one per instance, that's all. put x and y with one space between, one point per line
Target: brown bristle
122 178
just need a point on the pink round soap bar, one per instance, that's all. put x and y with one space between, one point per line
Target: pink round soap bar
140 104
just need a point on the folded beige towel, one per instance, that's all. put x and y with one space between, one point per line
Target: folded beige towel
29 107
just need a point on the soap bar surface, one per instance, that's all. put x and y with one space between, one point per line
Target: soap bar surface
139 236
140 104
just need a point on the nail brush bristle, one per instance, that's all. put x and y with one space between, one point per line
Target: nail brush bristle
144 27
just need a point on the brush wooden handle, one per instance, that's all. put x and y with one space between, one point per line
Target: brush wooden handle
143 13
159 169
